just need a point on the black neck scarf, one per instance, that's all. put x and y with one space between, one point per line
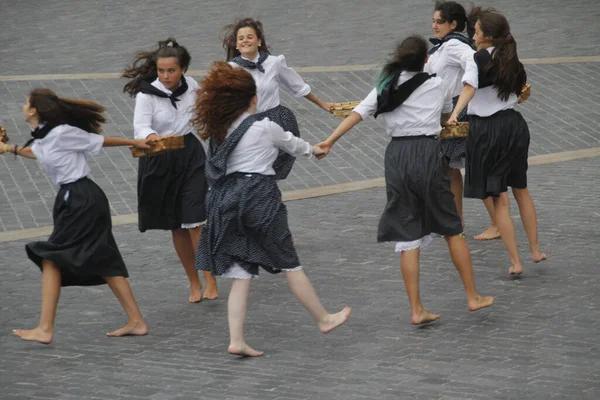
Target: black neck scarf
392 97
437 43
39 133
242 62
147 88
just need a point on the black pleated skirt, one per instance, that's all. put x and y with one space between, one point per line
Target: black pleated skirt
172 187
497 151
419 200
285 118
248 224
82 244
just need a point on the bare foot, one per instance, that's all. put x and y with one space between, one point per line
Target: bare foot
335 320
490 233
424 317
244 350
211 292
538 256
34 335
195 294
515 269
479 302
131 329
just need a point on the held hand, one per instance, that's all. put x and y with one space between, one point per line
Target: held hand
152 136
453 120
327 107
321 150
142 143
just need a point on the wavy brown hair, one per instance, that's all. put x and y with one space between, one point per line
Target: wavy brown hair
229 36
144 63
224 94
511 75
55 111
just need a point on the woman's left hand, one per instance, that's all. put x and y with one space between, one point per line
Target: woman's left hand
453 120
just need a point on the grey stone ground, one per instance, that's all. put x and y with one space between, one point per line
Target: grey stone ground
539 341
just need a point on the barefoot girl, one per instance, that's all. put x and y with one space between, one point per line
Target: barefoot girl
420 202
171 186
246 46
247 224
498 141
81 251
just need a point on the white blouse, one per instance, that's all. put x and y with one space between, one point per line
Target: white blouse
449 62
155 114
277 74
486 101
420 114
258 148
63 151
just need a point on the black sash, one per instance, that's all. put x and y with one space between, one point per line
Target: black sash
251 64
437 43
392 97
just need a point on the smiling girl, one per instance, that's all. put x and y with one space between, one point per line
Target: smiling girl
246 46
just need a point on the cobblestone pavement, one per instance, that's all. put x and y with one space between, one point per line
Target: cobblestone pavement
563 114
539 341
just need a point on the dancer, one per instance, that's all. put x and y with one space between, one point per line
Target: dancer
171 186
498 141
419 200
81 251
247 225
246 46
448 59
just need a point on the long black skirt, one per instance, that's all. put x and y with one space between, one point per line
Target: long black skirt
285 118
247 224
419 200
172 188
497 151
82 244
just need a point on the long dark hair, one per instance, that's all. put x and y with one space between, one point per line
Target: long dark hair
229 36
224 94
510 73
55 111
409 56
144 63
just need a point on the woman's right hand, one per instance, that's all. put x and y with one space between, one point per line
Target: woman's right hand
152 136
320 150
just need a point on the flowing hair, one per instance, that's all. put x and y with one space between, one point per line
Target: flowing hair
229 36
225 93
144 64
511 75
409 56
54 110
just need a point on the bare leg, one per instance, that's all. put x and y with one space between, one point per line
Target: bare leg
50 294
409 265
210 292
507 232
305 293
185 250
456 187
459 252
136 325
492 231
237 307
529 219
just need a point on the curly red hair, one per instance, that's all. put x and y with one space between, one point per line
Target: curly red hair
224 94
